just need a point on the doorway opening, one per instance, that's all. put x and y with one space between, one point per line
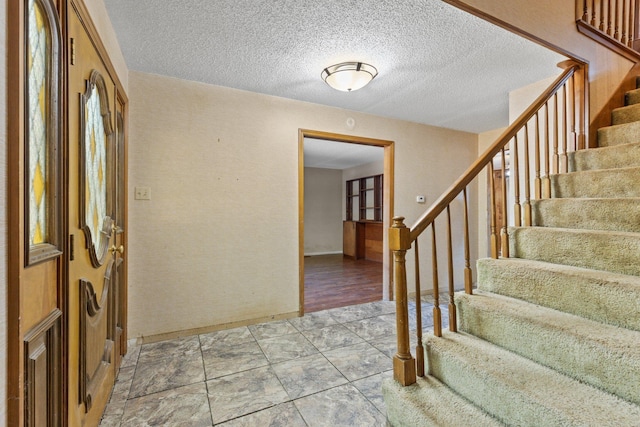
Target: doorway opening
357 172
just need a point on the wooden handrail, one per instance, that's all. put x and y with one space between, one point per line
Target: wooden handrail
571 88
469 175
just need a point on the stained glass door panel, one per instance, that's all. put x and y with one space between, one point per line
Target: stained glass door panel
96 142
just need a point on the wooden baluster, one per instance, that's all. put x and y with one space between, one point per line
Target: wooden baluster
601 27
574 136
527 178
609 27
453 322
556 137
419 347
565 158
593 13
585 11
504 244
546 181
623 39
537 180
633 8
583 112
437 316
616 17
404 366
517 213
468 285
494 233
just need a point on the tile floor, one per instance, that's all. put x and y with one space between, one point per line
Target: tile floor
323 369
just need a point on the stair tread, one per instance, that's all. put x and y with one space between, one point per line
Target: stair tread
540 392
632 97
614 251
588 213
581 231
614 295
605 356
619 134
626 114
615 156
598 275
571 324
617 182
429 402
600 171
620 126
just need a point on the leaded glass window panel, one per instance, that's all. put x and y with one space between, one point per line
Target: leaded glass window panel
42 138
38 52
96 146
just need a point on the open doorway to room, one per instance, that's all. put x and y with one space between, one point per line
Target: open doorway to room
346 203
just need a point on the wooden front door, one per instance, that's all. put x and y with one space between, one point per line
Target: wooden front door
36 210
66 311
96 281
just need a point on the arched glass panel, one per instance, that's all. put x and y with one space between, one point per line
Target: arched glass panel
95 174
42 114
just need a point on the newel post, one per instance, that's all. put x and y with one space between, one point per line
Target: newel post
404 365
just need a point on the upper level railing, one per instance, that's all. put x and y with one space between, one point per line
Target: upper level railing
614 23
534 147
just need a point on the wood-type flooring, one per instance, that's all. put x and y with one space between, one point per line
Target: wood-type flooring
332 281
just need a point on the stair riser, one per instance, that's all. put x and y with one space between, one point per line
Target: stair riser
610 297
627 133
626 114
607 365
518 391
487 392
589 214
605 251
609 183
430 403
632 97
619 156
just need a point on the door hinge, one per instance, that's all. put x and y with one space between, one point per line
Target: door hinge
71 247
73 51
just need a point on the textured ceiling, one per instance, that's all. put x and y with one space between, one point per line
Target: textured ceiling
437 65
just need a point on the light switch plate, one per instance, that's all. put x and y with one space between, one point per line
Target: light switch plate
142 193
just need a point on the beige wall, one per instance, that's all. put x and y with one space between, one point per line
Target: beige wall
554 22
3 212
218 241
322 211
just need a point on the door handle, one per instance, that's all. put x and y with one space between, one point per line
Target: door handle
115 249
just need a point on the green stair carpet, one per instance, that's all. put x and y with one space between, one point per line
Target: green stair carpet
551 337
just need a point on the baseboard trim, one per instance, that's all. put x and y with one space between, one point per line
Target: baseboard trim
412 295
212 328
323 253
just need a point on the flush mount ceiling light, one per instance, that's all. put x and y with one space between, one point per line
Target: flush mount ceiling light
349 76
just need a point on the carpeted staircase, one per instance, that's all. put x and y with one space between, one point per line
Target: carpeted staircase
552 336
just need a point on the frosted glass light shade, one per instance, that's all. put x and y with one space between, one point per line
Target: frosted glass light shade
349 76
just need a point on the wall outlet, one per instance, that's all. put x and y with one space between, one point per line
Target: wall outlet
421 199
142 193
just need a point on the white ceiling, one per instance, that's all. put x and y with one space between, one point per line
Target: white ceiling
437 64
319 153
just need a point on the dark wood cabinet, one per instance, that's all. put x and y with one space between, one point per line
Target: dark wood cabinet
362 231
364 198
